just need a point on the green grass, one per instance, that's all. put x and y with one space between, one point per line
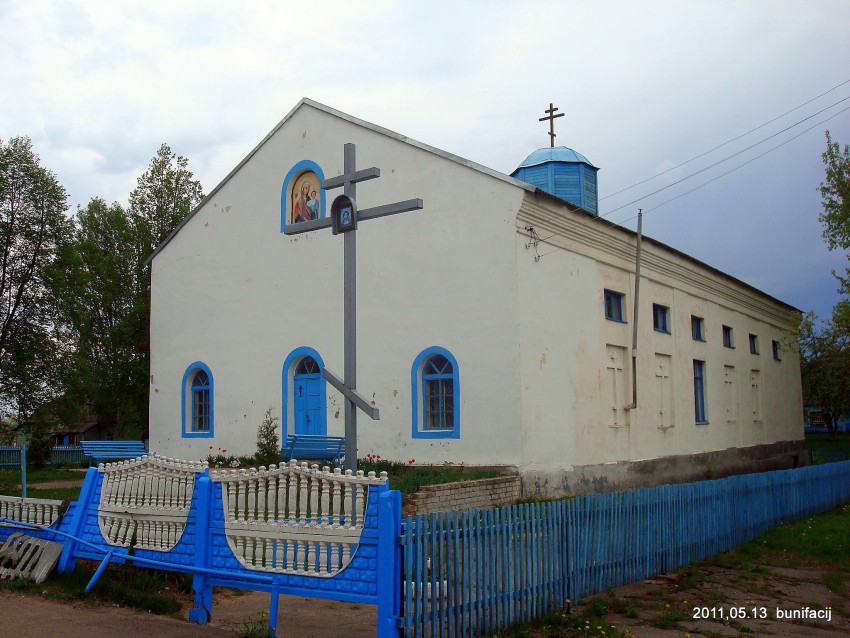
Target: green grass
10 479
148 590
821 539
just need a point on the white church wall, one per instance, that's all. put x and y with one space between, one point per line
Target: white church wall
736 382
231 291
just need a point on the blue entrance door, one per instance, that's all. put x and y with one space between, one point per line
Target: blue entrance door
307 390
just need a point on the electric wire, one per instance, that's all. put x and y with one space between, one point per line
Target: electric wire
725 159
612 224
734 139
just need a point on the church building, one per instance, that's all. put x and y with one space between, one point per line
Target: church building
495 325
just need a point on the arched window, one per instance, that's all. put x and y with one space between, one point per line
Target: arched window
435 389
200 402
307 365
197 401
438 390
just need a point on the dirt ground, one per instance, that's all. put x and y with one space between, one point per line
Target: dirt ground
33 617
719 593
712 601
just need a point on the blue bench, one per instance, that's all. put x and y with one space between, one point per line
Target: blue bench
314 447
100 451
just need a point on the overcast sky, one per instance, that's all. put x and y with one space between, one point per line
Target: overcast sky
98 85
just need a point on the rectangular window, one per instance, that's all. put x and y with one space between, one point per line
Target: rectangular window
776 350
201 410
614 306
699 392
754 344
697 328
661 318
727 337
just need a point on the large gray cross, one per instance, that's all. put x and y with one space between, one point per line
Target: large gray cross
348 384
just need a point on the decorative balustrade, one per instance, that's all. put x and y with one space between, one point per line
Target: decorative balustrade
37 511
294 519
145 502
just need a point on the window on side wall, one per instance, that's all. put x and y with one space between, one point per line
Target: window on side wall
435 388
614 306
727 337
697 328
661 318
777 350
754 344
699 392
197 401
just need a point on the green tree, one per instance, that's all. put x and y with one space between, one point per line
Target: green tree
33 229
825 360
825 349
835 195
99 305
107 290
164 195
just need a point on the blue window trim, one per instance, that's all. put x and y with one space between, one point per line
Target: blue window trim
294 172
287 373
697 328
186 403
616 308
700 415
661 318
418 401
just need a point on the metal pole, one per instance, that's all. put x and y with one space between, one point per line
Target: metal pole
350 315
636 312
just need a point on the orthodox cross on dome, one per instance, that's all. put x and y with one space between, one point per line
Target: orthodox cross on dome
343 219
551 117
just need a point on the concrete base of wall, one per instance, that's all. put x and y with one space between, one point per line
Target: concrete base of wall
608 477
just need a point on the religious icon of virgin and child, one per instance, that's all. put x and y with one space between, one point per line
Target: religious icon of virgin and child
305 201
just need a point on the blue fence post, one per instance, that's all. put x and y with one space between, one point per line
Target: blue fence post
201 613
389 564
67 562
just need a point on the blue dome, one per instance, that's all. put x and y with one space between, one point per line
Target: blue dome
564 173
557 154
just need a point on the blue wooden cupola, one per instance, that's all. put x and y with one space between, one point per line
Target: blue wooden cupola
564 173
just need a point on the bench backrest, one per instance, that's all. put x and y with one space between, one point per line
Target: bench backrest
112 446
98 451
314 447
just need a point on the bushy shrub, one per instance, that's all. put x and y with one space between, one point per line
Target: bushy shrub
268 441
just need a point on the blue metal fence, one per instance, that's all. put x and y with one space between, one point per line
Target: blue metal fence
67 455
473 573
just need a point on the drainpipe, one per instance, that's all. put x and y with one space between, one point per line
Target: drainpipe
633 404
